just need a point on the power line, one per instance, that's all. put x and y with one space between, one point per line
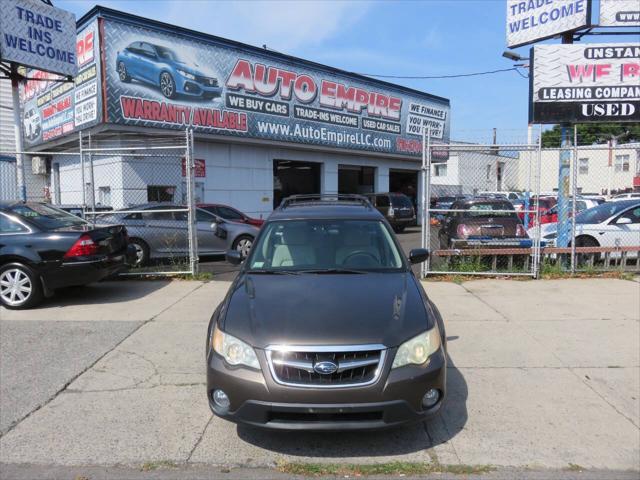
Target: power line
430 77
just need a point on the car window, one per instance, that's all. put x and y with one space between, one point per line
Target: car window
204 216
601 213
148 50
489 209
325 244
229 213
633 215
45 216
9 226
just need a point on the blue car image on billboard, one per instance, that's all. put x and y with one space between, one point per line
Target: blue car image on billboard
163 68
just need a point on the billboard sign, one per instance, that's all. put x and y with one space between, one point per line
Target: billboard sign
37 35
156 78
619 13
585 83
52 108
532 20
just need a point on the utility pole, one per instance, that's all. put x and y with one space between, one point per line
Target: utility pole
17 126
564 168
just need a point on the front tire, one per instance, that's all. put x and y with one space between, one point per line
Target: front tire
167 85
20 286
243 245
586 241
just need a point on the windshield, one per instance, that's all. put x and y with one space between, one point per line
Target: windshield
401 201
316 245
167 54
45 216
602 212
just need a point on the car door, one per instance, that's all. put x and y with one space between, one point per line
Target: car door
166 232
208 241
148 63
622 231
133 57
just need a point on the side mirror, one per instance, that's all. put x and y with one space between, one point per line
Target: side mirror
418 255
623 221
214 227
234 257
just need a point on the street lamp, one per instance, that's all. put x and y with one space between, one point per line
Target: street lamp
513 56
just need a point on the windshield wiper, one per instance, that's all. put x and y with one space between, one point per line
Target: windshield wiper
333 270
274 272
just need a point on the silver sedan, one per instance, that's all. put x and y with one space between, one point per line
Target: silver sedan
160 230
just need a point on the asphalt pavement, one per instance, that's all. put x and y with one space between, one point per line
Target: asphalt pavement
108 382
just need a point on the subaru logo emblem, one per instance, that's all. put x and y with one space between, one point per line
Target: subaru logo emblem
325 368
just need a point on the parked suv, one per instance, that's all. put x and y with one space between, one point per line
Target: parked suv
396 208
326 327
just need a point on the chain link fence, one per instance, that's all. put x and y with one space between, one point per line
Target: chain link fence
498 209
145 183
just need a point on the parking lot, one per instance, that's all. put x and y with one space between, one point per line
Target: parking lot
543 376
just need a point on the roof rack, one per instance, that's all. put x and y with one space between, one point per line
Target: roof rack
325 198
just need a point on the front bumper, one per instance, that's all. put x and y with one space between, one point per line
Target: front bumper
395 399
195 88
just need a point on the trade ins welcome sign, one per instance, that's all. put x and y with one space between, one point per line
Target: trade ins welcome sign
38 35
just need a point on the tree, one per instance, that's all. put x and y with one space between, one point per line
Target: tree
595 133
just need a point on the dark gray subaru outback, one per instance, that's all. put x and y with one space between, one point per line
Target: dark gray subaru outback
326 327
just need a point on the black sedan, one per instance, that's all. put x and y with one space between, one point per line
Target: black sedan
43 248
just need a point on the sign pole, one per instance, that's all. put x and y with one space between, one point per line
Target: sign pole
564 168
15 97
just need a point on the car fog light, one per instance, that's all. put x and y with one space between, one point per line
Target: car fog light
221 399
430 398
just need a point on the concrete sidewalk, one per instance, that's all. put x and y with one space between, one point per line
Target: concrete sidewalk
543 374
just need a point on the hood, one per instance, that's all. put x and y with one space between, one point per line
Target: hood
326 309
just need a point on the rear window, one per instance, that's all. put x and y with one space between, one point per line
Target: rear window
492 209
400 201
45 216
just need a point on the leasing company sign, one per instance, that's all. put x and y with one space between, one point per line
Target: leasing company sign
34 34
585 83
531 20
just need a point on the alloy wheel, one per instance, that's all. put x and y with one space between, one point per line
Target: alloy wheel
244 247
166 85
122 72
15 286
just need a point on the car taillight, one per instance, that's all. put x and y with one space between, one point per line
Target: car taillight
463 231
83 247
520 231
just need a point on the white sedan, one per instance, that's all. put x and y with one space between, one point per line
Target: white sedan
612 224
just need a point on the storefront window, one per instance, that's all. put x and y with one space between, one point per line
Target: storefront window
160 193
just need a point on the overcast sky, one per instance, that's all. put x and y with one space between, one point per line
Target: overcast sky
431 37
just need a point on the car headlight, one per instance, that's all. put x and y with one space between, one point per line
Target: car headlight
188 75
418 350
233 350
550 236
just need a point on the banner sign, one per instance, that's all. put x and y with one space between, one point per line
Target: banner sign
531 20
159 79
52 108
619 13
37 35
585 83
